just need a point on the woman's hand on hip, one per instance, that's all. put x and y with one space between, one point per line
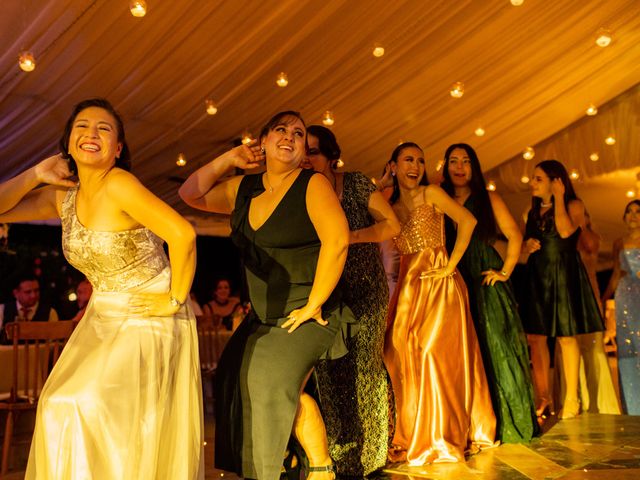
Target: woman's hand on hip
301 315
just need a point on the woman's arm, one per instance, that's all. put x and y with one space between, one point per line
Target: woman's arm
125 191
204 188
387 225
332 228
508 226
617 271
568 218
465 220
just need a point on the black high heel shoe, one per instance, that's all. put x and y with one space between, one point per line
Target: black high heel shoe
291 466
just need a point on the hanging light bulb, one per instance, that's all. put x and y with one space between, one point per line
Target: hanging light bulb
630 193
610 140
246 137
491 186
457 90
339 163
603 37
378 50
517 3
574 174
594 157
282 80
528 153
138 8
181 161
591 110
439 165
479 132
27 61
327 118
212 109
524 178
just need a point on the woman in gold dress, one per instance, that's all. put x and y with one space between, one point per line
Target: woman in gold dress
124 399
431 349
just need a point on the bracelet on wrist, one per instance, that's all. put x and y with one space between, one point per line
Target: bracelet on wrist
175 302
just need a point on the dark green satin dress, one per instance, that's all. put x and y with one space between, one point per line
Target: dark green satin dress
557 299
502 340
262 368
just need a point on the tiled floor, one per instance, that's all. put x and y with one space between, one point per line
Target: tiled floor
589 447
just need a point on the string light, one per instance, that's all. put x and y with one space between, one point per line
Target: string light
524 179
630 193
610 140
27 61
246 138
517 3
439 165
282 80
457 90
574 174
138 8
212 109
594 157
603 37
491 186
328 119
528 153
592 110
378 51
181 161
339 163
479 132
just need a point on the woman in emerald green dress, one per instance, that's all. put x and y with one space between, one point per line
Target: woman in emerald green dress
493 305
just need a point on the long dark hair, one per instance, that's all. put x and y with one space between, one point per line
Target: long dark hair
327 143
486 229
123 161
394 159
554 169
635 202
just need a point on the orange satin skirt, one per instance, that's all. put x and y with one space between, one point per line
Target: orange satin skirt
431 352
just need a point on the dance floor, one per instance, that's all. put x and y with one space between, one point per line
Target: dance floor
589 447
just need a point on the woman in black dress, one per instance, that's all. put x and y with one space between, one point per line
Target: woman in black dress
559 301
293 238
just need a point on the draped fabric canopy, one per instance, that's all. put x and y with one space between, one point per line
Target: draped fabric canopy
528 71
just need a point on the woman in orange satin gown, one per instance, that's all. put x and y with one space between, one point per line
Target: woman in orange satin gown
431 350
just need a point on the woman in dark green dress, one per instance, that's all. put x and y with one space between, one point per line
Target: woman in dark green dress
493 305
353 391
293 239
558 300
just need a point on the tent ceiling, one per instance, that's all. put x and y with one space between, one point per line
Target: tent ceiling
529 72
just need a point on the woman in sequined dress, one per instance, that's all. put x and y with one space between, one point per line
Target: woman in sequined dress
431 350
353 390
124 399
625 281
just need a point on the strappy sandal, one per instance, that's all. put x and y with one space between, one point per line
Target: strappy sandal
323 468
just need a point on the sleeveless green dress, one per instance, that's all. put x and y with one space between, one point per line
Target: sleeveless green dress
263 367
502 340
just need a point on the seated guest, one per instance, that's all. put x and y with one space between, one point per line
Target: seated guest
83 295
27 307
223 304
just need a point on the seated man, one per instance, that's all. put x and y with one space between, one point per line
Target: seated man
83 295
27 307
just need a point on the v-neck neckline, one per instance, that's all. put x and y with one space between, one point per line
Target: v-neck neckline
275 209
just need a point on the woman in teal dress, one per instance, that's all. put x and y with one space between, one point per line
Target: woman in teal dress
625 281
557 299
293 238
493 305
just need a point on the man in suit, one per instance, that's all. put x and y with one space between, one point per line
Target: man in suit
27 306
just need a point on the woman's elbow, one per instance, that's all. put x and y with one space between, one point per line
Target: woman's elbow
395 227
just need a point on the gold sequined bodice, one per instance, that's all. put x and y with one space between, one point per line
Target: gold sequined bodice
424 229
112 261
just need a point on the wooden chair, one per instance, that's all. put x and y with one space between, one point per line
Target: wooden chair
36 348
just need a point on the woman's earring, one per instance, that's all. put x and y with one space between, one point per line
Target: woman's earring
262 150
393 174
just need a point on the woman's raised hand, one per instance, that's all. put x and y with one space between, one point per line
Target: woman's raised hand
247 156
557 188
54 171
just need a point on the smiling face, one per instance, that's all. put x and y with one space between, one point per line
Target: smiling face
286 142
459 167
540 184
94 138
222 291
314 158
409 168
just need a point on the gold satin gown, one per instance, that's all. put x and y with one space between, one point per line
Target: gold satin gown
124 400
431 351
